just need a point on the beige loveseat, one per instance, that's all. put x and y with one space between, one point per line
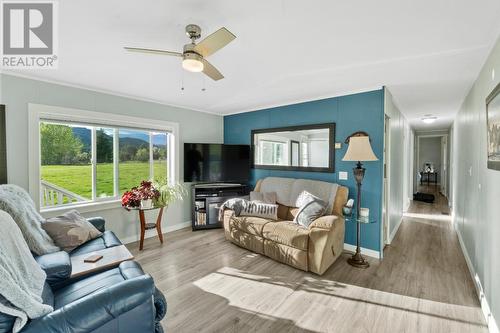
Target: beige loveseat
310 249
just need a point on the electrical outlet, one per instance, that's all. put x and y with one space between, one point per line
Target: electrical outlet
343 175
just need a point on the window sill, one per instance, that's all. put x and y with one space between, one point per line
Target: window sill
82 208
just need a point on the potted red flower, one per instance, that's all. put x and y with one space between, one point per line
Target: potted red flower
141 196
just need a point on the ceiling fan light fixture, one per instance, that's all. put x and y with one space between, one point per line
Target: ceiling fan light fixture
192 62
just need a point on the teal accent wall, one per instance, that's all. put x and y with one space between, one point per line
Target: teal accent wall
351 113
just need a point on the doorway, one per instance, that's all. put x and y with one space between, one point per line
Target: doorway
431 164
385 206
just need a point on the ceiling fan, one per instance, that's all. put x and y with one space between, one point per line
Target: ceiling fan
193 55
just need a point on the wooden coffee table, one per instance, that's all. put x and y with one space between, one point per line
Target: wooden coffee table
111 257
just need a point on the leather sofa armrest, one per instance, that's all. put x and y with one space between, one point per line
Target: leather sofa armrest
324 222
130 270
57 266
160 303
98 222
94 310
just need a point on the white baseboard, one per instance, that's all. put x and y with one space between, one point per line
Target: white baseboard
366 252
485 307
407 205
152 233
395 231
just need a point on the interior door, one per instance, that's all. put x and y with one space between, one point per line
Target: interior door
444 165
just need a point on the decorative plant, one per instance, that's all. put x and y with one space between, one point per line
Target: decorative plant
134 197
168 192
148 190
131 198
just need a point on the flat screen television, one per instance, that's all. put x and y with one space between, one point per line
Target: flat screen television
212 163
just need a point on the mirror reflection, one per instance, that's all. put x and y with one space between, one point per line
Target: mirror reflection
299 148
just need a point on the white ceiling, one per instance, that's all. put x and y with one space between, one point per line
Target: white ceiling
428 52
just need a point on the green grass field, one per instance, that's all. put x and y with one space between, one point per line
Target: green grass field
78 178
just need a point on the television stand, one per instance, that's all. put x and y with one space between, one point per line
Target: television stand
206 202
211 185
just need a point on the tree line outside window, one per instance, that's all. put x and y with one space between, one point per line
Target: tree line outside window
123 158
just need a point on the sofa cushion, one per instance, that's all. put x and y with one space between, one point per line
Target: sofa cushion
249 224
286 254
283 212
260 209
289 189
287 233
108 239
265 197
251 242
310 208
70 230
291 213
282 187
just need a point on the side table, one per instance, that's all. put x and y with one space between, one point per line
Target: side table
147 226
357 260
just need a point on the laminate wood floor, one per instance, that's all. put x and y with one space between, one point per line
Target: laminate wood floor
422 285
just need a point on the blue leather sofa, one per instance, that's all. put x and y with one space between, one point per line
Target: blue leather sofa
122 299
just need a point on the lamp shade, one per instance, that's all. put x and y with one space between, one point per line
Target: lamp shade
359 149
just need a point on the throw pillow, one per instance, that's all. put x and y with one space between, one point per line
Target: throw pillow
265 197
260 209
70 230
310 208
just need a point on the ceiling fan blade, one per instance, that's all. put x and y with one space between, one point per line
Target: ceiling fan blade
153 51
214 42
211 71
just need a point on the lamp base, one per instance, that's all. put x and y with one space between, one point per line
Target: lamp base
358 261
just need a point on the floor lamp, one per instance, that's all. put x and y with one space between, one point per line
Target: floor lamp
359 150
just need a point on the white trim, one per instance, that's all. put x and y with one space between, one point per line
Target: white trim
304 100
366 252
152 233
104 91
86 207
395 231
116 161
485 307
386 177
93 161
190 108
36 112
151 161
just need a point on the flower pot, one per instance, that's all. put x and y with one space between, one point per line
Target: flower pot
146 203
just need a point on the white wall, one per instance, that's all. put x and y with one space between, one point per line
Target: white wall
399 157
430 151
318 153
17 92
476 189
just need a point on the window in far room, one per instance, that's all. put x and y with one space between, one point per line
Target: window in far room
273 152
82 163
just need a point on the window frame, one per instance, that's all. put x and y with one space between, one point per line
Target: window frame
39 113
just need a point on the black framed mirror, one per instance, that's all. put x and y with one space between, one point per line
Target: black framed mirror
294 148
